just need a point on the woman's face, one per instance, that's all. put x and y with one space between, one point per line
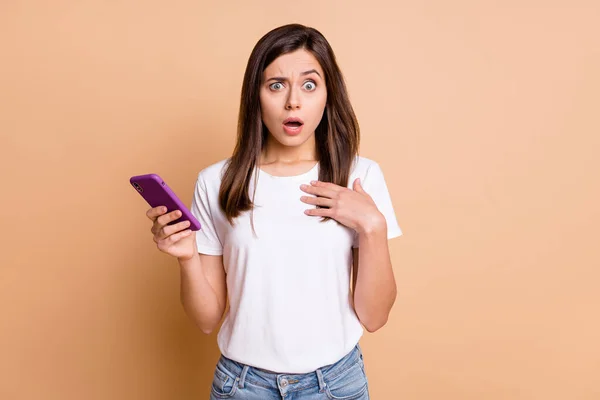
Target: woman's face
293 86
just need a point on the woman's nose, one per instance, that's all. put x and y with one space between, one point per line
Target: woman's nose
293 101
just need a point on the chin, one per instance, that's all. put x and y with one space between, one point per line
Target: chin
288 140
294 140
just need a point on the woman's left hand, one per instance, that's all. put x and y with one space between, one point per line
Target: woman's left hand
353 208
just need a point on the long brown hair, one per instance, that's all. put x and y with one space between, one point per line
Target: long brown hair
337 136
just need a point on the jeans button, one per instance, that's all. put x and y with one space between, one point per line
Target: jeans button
284 382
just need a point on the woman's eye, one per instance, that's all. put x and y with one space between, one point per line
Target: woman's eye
276 86
310 86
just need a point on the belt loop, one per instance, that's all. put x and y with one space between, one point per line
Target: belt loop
243 376
322 383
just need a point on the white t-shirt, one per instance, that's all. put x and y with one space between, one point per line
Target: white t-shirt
288 287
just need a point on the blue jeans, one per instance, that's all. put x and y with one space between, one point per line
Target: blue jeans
343 380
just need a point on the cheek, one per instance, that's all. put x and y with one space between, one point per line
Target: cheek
324 99
266 108
317 109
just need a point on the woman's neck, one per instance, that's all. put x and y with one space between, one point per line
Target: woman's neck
278 153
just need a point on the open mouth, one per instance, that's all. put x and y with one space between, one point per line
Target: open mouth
293 126
293 122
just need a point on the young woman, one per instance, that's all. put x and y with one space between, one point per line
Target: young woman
283 220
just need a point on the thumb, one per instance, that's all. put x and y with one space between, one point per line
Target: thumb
357 186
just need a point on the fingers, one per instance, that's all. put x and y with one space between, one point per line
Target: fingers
155 212
173 238
323 189
322 212
167 231
318 201
166 218
167 236
160 219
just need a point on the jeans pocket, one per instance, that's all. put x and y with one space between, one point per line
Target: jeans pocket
349 385
225 383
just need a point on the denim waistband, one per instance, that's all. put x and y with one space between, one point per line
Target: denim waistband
271 379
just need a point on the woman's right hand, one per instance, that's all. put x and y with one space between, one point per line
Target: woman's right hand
176 240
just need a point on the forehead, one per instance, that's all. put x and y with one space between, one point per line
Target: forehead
293 64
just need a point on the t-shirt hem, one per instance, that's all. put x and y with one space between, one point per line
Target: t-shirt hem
211 251
356 340
391 235
394 233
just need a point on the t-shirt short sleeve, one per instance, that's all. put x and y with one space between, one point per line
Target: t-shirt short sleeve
374 184
206 238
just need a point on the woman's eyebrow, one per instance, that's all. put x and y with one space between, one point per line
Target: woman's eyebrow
281 78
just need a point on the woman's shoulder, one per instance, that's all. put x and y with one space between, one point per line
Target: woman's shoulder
361 165
213 173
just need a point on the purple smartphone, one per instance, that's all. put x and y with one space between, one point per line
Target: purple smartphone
156 192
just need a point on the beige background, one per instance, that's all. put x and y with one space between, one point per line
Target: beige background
483 115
